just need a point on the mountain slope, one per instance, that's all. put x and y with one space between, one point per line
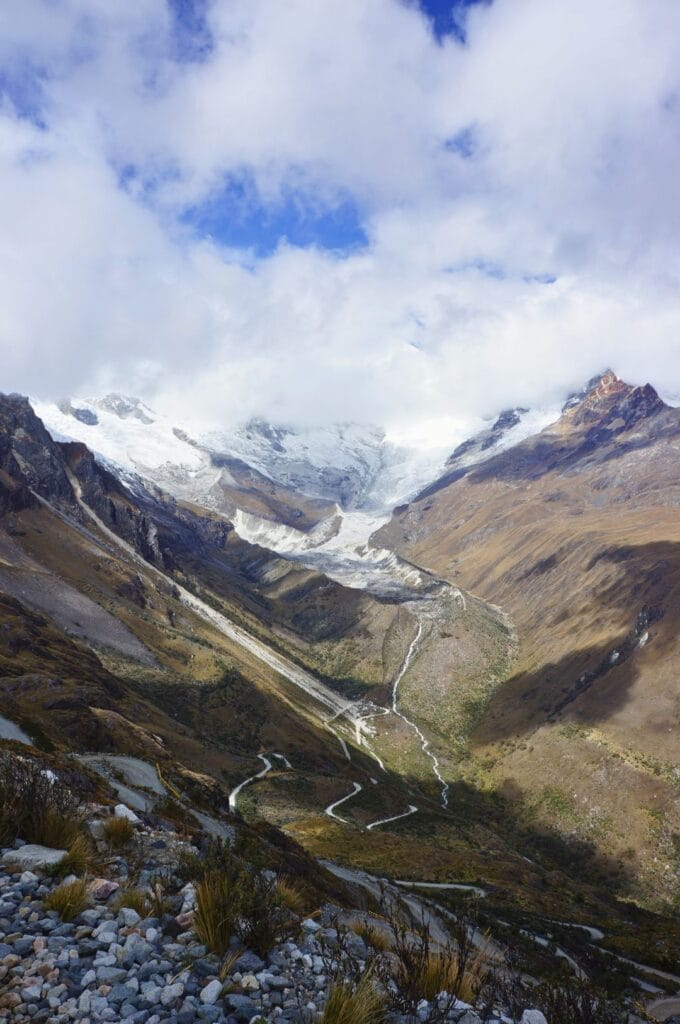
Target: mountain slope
575 533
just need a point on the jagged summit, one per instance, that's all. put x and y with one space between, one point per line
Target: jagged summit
612 402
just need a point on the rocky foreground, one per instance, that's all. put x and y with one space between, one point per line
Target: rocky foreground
110 963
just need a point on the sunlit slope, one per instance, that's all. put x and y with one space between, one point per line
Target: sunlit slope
576 535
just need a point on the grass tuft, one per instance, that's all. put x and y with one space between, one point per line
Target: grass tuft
118 832
69 900
292 896
79 859
360 1004
375 937
133 899
216 911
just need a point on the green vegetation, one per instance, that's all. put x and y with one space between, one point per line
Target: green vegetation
36 807
217 905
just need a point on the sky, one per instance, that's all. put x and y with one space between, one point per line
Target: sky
331 210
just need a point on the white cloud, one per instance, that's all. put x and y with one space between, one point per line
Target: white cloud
573 109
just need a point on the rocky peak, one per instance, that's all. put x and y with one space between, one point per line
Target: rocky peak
29 459
126 407
610 402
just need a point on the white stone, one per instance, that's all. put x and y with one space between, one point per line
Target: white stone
250 983
171 993
28 876
33 856
310 926
121 811
533 1017
211 993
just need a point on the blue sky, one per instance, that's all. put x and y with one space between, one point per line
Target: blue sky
235 215
334 209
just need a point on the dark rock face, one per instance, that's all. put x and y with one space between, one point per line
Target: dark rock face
29 458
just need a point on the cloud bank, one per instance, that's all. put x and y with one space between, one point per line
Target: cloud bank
515 197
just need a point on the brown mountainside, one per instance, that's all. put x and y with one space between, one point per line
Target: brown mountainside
575 533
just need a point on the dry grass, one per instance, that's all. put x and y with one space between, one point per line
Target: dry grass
292 895
216 910
55 829
472 977
228 964
80 857
133 899
354 1005
69 900
375 937
118 832
442 973
158 897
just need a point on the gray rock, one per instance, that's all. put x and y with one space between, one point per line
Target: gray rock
211 993
249 962
110 975
171 993
33 857
121 811
533 1017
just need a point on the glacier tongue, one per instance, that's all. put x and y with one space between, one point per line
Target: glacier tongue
342 551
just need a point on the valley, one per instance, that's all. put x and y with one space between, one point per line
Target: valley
473 693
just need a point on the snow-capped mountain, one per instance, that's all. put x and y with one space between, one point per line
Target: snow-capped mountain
348 464
315 494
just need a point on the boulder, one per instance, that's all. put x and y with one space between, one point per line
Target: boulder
121 811
33 857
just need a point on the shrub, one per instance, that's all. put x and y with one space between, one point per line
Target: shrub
418 971
177 814
358 1004
218 855
574 1001
69 900
260 916
216 911
118 832
35 807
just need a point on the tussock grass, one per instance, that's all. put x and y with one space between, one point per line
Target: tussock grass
292 895
69 900
360 1004
216 911
118 832
375 937
79 859
52 827
133 899
441 972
